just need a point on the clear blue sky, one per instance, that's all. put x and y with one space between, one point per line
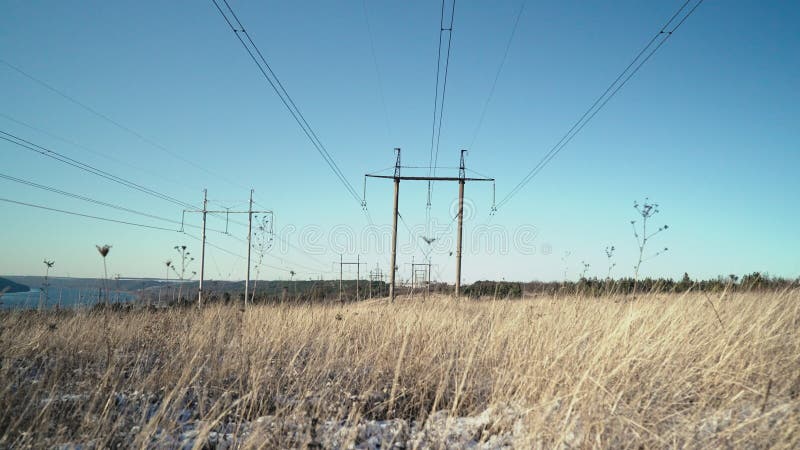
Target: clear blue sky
709 128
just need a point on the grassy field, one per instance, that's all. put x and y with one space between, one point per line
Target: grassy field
719 371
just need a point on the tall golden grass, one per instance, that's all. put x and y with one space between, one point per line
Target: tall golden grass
698 371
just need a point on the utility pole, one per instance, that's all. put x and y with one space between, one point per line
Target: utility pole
461 176
421 271
413 283
358 274
358 264
393 267
203 250
205 211
249 247
375 275
461 179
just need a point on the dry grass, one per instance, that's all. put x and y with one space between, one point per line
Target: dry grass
661 371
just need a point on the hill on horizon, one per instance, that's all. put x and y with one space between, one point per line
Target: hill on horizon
8 286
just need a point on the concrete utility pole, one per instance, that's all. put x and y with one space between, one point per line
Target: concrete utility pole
203 250
375 275
413 284
249 247
461 176
462 179
227 212
421 271
358 264
393 266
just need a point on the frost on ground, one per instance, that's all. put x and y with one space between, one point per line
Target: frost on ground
497 427
494 428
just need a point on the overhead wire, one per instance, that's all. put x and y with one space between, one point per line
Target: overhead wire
497 74
44 151
377 70
436 91
97 202
655 43
90 216
145 226
439 101
444 85
284 96
104 155
438 104
414 238
114 122
87 168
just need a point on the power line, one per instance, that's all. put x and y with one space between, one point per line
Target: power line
24 143
87 167
436 131
284 96
660 37
234 254
89 216
446 70
87 199
108 119
136 224
497 74
85 148
377 71
95 201
411 233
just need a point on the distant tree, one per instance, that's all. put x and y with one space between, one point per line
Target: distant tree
753 280
685 282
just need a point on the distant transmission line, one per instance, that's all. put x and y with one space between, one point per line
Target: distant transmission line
377 70
89 216
87 168
97 202
286 99
133 224
497 74
436 128
44 151
104 155
117 124
641 58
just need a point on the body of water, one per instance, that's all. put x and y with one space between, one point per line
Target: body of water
66 297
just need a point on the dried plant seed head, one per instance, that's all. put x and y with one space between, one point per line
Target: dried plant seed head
103 250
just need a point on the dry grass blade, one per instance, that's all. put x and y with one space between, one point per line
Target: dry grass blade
536 373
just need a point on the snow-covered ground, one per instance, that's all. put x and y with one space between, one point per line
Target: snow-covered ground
494 428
